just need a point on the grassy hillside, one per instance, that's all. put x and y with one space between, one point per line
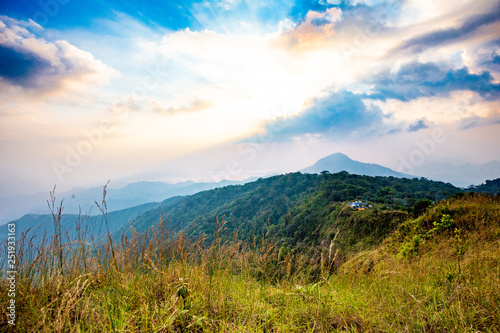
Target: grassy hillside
437 272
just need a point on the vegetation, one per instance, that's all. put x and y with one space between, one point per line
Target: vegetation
489 186
254 207
319 267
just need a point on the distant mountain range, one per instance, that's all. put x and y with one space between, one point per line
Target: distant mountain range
276 202
340 162
462 175
81 199
42 225
134 194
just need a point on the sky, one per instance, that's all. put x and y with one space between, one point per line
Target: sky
127 91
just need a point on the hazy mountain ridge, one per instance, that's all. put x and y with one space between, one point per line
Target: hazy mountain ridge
133 194
462 175
40 224
83 200
193 207
255 206
340 162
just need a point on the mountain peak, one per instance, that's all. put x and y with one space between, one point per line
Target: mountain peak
336 157
340 162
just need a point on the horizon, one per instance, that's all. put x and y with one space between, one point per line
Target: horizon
232 89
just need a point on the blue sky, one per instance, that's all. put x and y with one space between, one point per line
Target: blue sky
176 90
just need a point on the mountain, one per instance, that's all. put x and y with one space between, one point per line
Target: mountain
93 226
289 207
82 200
340 162
462 175
489 186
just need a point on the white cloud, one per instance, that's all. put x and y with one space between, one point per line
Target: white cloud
227 4
196 105
316 30
330 2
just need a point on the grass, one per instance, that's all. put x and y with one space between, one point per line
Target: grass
163 282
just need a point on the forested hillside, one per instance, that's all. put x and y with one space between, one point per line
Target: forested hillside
289 208
489 186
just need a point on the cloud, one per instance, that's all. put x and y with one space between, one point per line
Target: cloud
314 31
34 63
437 110
444 36
196 106
124 107
227 4
417 126
302 7
395 130
493 62
477 121
20 69
330 2
339 114
416 80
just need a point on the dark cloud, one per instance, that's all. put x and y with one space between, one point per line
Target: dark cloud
416 80
368 20
339 114
320 21
417 126
440 37
476 121
395 130
22 69
30 61
493 62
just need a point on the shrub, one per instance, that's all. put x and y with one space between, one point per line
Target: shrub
444 223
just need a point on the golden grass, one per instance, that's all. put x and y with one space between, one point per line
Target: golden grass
161 282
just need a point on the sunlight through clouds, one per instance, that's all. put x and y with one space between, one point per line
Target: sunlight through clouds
189 76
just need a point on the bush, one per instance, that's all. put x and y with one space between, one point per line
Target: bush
410 248
444 223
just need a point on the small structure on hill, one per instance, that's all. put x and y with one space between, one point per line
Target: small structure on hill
359 205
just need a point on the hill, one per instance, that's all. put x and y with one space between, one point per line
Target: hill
489 186
40 227
286 207
82 199
340 162
294 203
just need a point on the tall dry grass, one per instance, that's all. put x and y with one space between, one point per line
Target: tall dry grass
162 281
